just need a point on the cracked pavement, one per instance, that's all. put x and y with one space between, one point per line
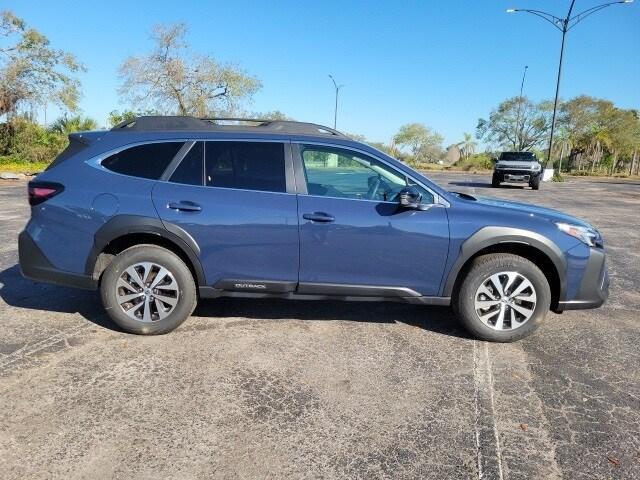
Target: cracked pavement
276 389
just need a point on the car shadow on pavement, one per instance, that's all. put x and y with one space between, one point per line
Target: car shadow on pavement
439 320
19 292
486 185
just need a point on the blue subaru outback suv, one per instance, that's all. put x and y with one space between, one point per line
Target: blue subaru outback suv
161 211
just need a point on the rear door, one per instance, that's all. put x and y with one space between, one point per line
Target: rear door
237 200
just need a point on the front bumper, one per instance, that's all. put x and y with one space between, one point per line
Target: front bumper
36 266
513 175
594 287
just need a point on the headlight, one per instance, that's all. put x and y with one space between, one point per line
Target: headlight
536 167
587 235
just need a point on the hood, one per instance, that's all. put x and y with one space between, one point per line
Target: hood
526 208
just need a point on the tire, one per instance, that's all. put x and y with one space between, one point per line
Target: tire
535 183
480 272
495 182
153 311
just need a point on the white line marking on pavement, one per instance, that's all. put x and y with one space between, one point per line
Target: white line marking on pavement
489 456
493 420
476 389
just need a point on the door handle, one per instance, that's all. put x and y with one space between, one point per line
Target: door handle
319 217
185 206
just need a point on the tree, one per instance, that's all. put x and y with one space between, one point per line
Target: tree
599 134
31 72
424 144
467 146
383 147
173 80
272 115
116 116
66 125
504 129
356 136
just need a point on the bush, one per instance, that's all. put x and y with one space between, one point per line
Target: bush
479 161
557 177
25 141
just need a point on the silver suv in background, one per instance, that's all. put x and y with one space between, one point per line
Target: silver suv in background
517 167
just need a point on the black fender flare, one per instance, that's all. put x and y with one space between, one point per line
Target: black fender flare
490 236
121 225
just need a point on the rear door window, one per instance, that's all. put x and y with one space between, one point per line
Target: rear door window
246 165
146 161
191 168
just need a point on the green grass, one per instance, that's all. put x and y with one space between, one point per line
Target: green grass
14 165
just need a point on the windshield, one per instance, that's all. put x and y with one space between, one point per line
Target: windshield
518 156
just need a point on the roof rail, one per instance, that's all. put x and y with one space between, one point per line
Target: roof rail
235 119
158 123
169 123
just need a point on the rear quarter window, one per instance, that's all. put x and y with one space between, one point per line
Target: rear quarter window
146 161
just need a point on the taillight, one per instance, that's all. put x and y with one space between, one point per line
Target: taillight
42 191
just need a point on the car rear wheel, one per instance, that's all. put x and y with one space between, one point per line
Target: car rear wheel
503 298
148 290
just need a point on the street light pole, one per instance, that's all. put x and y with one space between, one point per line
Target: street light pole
335 111
564 25
565 29
524 74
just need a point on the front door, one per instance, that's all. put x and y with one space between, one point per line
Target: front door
353 234
233 199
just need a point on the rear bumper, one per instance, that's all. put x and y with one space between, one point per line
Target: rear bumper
594 287
36 266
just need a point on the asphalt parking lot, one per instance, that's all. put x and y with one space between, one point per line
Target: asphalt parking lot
274 389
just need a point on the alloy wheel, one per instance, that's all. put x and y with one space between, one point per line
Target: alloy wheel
147 292
505 301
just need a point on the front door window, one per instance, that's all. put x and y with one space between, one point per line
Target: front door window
341 173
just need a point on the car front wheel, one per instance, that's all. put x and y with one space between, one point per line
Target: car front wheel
503 298
148 290
535 183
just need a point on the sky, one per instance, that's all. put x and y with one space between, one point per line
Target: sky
444 63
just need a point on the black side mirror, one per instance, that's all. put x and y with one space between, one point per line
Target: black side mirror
410 197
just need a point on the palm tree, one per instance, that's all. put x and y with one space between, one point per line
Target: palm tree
599 137
67 125
467 146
